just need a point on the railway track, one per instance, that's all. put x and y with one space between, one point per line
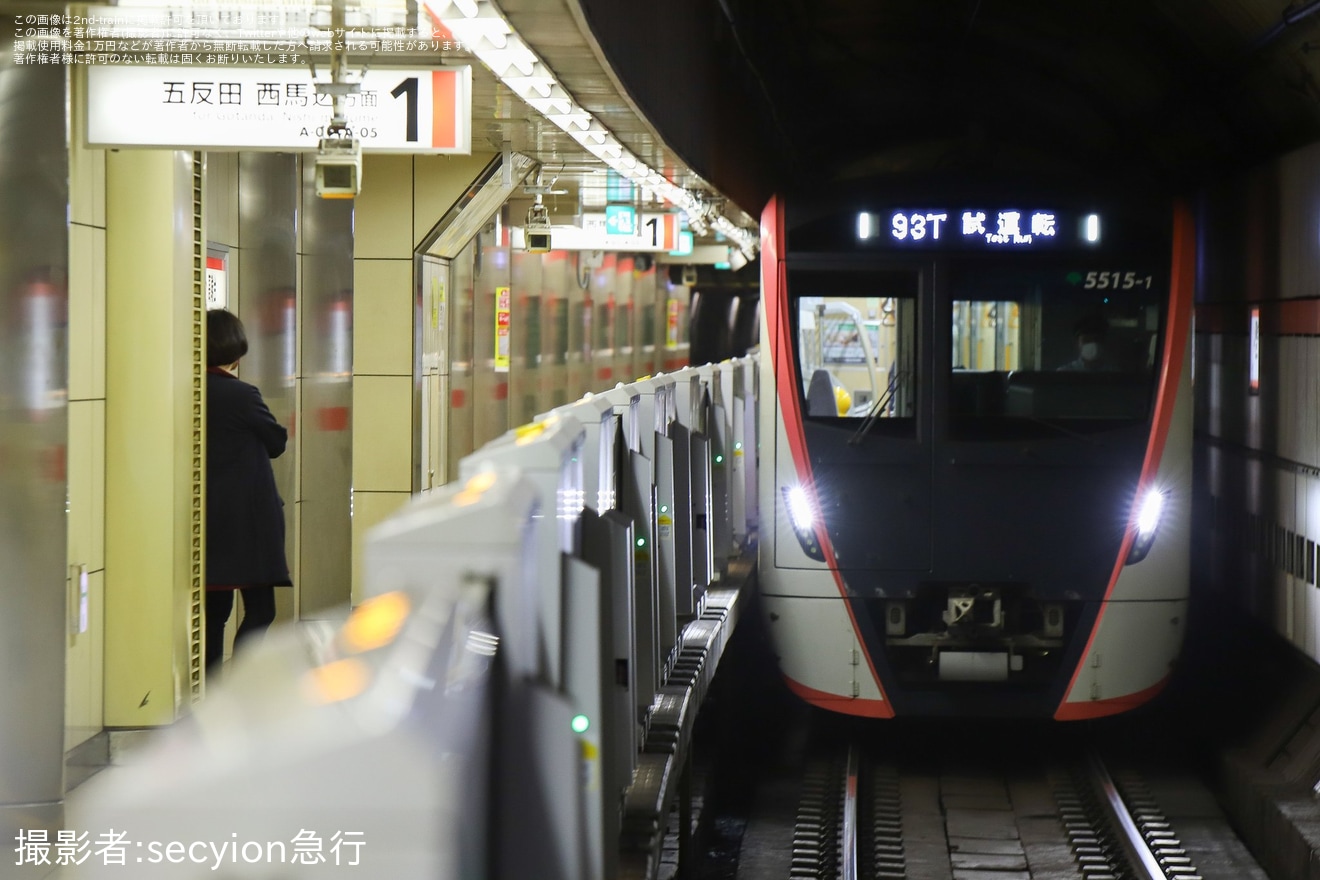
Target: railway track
866 816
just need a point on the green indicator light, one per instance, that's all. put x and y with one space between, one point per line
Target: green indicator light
664 508
641 542
719 458
737 445
580 723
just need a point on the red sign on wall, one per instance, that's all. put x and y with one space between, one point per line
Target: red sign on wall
503 315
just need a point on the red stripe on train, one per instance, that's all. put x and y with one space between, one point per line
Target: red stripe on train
1181 286
774 286
1113 706
836 703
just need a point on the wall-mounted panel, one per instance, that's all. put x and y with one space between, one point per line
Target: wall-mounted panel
382 440
260 192
461 355
325 417
87 311
386 198
222 198
382 343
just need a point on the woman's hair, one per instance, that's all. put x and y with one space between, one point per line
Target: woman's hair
225 340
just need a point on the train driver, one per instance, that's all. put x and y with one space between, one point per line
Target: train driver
1090 332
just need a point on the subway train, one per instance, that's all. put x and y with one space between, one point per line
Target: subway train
976 449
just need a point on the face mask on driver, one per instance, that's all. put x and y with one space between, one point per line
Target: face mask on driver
1090 351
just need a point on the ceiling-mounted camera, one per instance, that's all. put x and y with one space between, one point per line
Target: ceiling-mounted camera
338 154
536 231
338 168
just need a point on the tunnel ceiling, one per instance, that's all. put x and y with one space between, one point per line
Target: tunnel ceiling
1171 92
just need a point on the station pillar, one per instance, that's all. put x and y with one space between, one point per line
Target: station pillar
402 199
154 376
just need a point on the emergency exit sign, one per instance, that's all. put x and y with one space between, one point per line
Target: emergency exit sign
620 220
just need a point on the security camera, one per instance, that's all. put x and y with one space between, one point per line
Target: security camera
338 168
536 232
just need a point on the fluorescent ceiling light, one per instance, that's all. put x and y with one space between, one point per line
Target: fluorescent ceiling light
487 24
538 84
481 26
576 119
513 57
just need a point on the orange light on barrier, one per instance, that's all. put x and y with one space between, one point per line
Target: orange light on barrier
376 622
473 489
336 681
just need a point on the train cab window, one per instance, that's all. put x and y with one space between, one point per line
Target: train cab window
1034 347
856 336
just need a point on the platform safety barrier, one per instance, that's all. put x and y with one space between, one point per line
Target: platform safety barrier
514 697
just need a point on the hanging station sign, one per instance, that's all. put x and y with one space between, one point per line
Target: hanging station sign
276 108
618 230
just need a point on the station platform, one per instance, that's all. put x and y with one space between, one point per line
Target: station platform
516 693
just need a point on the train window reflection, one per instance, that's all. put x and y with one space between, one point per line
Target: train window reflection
856 338
1037 346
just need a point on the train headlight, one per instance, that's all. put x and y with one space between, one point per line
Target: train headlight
802 515
799 508
1150 508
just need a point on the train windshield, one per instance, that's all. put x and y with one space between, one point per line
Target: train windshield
857 344
1051 343
1034 347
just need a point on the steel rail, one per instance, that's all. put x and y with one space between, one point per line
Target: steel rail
1133 841
848 841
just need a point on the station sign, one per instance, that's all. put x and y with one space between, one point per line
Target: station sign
276 107
621 228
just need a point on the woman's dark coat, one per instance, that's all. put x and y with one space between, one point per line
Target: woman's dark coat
244 513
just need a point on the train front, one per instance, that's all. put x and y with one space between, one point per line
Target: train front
980 432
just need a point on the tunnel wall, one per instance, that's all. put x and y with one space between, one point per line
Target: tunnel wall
1258 436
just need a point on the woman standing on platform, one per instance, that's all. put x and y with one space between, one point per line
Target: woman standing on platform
244 512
